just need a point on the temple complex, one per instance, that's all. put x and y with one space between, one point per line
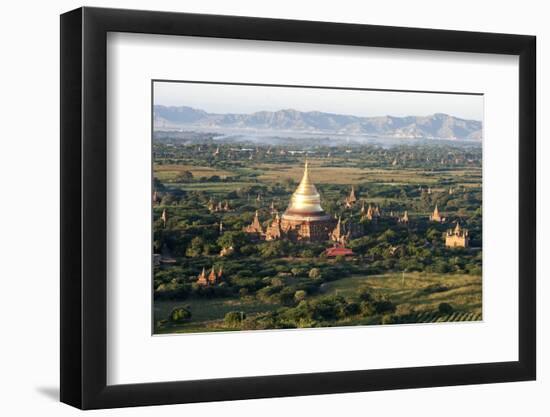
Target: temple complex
202 279
218 207
457 237
212 278
373 212
303 220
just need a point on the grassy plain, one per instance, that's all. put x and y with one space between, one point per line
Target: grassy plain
322 173
328 174
419 292
343 175
169 172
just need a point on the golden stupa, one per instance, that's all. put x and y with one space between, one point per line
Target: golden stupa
305 219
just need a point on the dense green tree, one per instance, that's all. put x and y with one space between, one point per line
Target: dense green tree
196 247
300 295
233 239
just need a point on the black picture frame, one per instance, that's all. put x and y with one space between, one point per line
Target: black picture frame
84 207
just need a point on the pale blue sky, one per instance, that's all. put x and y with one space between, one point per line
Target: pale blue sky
227 98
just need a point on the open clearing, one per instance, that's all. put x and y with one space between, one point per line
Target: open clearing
416 290
322 174
343 175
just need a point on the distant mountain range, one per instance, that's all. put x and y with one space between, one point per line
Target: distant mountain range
436 126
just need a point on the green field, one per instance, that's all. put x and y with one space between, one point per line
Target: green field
169 172
406 289
420 293
213 187
206 312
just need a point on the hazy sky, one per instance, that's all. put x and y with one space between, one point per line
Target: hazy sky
227 98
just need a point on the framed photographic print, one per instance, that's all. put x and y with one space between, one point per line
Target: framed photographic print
257 208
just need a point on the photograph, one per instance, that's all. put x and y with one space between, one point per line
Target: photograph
260 209
292 207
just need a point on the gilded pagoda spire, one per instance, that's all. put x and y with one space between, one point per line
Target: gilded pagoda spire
306 198
305 183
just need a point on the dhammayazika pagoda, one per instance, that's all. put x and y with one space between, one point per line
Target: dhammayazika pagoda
305 219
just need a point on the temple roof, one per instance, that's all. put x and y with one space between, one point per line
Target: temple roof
457 228
339 251
306 198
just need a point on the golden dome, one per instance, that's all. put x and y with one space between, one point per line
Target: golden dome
306 198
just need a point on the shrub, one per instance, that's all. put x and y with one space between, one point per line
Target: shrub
315 273
266 293
299 295
277 282
364 294
351 309
384 306
441 267
234 318
285 297
445 308
184 176
388 319
329 308
367 308
298 272
179 314
432 289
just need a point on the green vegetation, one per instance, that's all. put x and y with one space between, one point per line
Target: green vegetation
400 273
355 300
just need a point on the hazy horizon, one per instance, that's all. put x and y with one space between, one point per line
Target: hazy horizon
247 99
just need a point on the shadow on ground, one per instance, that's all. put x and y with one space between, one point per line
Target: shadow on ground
50 392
